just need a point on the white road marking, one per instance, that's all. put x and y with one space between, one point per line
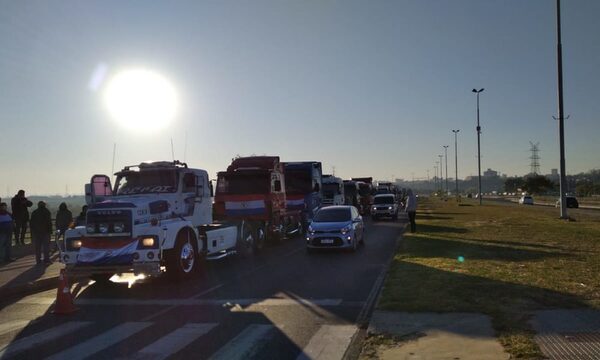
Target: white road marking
246 344
101 342
329 343
9 326
26 343
191 302
174 341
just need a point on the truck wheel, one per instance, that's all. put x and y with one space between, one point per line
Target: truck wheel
260 238
101 278
246 243
183 259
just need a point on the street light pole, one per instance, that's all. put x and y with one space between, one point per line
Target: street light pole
456 160
478 145
435 178
561 119
446 159
441 174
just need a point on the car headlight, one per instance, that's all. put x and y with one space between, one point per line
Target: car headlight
119 227
90 228
311 231
103 228
390 208
346 229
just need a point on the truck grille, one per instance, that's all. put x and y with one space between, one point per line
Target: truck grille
109 217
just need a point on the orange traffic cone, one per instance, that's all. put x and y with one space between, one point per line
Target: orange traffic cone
64 299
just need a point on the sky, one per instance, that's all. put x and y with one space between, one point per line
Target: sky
369 88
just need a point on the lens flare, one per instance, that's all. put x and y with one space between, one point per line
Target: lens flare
141 100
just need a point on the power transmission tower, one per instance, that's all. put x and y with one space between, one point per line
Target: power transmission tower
535 158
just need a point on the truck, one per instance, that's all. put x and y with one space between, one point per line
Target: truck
333 190
252 191
366 191
156 219
303 187
352 194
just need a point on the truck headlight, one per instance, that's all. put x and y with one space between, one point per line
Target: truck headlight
119 227
76 244
148 242
90 228
103 228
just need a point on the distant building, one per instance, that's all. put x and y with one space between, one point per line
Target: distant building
490 173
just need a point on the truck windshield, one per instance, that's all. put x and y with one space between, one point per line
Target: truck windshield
350 189
383 200
364 189
331 189
244 184
298 182
332 215
136 182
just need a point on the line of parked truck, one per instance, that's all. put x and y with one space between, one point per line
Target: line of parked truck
167 217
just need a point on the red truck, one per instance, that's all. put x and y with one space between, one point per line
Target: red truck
252 191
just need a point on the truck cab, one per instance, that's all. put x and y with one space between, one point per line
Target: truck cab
333 190
352 194
303 187
155 217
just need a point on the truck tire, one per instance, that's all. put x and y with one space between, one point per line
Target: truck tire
260 238
183 262
246 243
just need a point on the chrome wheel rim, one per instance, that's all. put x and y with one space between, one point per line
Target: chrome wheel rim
187 258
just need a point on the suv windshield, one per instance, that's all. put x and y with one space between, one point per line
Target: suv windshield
332 215
144 182
383 200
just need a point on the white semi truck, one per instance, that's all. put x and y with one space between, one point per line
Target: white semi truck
333 190
157 218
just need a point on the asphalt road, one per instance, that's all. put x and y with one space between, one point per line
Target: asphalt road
282 304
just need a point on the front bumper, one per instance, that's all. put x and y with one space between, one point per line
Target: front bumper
329 241
383 212
146 268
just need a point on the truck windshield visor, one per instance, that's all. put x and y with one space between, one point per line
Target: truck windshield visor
144 182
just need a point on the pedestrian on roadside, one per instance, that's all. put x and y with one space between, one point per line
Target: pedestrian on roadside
411 209
81 217
41 229
6 229
19 205
64 218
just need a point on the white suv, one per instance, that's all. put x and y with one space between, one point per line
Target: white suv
384 205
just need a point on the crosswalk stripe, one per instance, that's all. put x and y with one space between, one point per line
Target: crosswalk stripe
9 326
174 341
246 344
20 345
329 343
101 342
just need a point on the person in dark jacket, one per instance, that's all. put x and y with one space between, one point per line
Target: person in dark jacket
81 217
41 229
6 228
19 205
64 218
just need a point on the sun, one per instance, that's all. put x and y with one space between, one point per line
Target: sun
141 100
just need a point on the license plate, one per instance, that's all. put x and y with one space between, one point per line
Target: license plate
327 241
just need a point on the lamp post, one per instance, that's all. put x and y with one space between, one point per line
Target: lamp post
456 160
561 120
441 174
478 145
446 159
435 178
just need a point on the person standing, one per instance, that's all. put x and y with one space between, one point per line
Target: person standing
64 218
19 205
6 229
411 209
81 217
41 229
